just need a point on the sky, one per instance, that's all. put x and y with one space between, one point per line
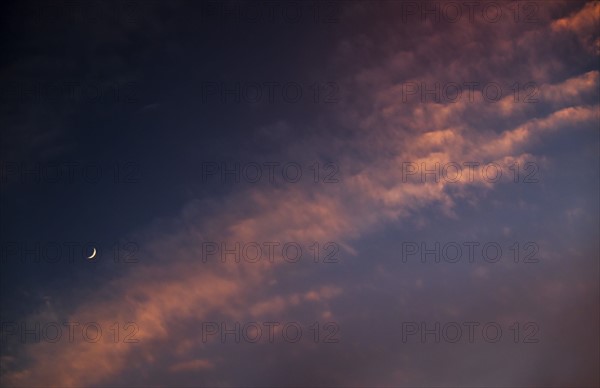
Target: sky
300 194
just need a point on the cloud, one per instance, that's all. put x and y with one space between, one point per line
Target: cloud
584 23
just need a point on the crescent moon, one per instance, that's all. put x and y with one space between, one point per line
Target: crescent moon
93 254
